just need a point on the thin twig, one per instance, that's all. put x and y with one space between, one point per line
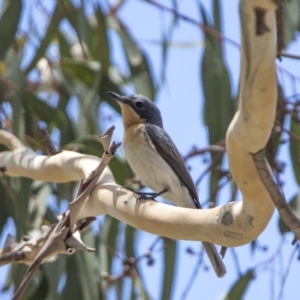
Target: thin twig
285 276
209 168
280 28
203 27
50 146
294 137
290 55
193 276
211 148
236 261
285 211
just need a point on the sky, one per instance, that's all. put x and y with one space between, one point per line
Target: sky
181 103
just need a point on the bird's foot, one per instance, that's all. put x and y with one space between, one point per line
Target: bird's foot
150 196
144 195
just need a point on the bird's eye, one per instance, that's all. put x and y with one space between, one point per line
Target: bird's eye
139 104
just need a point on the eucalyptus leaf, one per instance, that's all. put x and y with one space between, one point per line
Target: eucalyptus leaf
9 24
239 288
50 34
219 105
294 204
138 62
291 20
295 149
170 249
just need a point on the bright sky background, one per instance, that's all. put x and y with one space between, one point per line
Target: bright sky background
181 103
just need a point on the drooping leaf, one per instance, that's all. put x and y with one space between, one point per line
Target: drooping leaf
43 288
78 20
48 38
294 203
274 140
137 60
64 46
239 288
130 235
295 149
98 40
72 288
170 249
9 24
219 106
53 272
291 19
84 71
34 106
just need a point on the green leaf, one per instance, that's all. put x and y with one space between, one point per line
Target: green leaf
48 38
18 114
217 17
84 71
138 291
98 40
77 19
108 242
294 203
43 288
9 24
295 149
36 107
13 70
83 279
219 106
138 63
291 20
130 235
239 288
108 84
87 264
170 249
53 272
64 46
41 205
73 288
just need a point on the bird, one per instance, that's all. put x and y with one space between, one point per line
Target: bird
155 159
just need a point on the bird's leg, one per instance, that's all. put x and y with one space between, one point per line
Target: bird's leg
145 195
150 196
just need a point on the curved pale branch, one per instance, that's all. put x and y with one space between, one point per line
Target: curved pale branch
231 224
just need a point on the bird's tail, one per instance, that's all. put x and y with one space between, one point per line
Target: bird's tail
215 259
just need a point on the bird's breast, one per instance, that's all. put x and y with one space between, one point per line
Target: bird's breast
151 168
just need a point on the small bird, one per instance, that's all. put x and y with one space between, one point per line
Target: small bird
154 158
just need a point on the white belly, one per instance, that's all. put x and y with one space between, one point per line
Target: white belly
152 169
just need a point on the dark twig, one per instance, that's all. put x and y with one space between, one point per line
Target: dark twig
211 148
290 55
236 261
223 251
293 136
286 213
280 28
203 27
193 276
285 276
50 146
209 168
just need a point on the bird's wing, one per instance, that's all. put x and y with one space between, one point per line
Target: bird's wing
168 151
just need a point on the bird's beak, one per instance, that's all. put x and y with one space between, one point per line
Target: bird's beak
117 97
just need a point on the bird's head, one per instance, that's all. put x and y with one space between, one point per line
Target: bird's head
138 109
